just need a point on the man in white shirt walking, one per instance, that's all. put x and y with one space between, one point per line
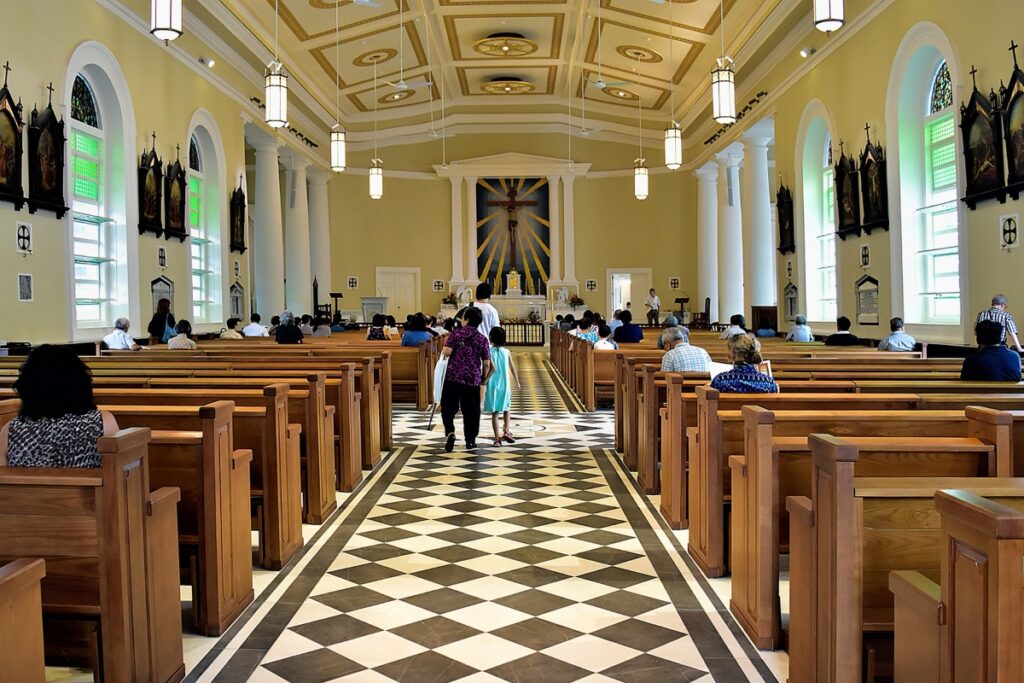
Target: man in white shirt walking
254 329
490 313
653 308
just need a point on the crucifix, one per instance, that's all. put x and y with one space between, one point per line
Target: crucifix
50 88
7 71
867 131
512 205
974 73
1013 49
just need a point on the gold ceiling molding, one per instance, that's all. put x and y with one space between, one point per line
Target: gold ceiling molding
639 54
505 45
377 56
708 29
291 21
469 3
455 43
391 98
622 94
326 61
692 48
507 86
462 71
593 94
383 90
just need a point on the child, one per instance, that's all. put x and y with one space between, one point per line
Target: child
498 393
605 342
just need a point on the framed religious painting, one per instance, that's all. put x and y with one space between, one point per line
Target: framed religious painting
46 162
784 207
11 126
982 130
238 220
151 180
174 202
1013 128
873 189
847 198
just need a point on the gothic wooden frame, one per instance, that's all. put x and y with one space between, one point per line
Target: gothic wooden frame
46 154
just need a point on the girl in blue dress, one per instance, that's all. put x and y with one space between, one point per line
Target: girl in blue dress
498 393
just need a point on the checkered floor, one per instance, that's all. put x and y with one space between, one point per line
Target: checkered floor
530 562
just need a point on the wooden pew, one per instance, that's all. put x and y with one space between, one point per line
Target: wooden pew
110 596
968 625
21 621
775 467
846 538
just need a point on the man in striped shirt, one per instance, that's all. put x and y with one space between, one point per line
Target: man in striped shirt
682 357
999 314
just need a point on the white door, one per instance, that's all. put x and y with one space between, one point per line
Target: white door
401 287
628 285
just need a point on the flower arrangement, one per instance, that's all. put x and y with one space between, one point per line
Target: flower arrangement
576 301
533 316
450 300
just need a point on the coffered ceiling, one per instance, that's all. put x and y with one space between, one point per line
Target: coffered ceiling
642 49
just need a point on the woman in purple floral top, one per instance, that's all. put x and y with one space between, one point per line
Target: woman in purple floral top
469 367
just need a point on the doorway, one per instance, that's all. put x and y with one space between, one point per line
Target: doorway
402 288
628 285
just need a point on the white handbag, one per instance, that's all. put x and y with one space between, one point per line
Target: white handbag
439 372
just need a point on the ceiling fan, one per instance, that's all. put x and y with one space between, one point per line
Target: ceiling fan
600 83
401 85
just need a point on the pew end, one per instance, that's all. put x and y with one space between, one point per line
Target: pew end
21 621
917 622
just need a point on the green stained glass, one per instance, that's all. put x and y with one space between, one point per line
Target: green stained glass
942 90
83 143
194 162
83 103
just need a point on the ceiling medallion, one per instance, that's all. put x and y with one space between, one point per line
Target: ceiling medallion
391 98
506 85
505 45
378 56
636 53
621 94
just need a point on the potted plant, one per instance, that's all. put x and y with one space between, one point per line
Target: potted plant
576 301
450 300
533 317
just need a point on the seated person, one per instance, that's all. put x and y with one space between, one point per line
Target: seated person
378 329
119 339
586 330
744 378
288 331
800 332
337 324
58 423
765 329
605 342
670 322
321 328
392 326
568 323
557 325
737 325
306 324
899 340
628 333
681 357
254 329
992 362
231 332
181 341
842 337
416 331
275 322
615 323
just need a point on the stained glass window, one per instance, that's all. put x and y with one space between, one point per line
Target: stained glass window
83 103
942 90
194 162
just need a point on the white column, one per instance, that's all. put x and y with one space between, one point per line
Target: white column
569 222
758 274
458 257
555 231
730 237
472 274
268 237
320 233
299 282
707 237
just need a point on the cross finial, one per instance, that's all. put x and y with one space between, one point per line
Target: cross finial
177 151
7 70
1013 49
50 88
974 73
842 152
154 140
867 131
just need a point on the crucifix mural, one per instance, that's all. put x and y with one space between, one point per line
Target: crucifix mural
513 232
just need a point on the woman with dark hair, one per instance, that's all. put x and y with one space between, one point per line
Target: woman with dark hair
378 329
392 326
416 331
627 332
58 423
469 367
161 326
737 325
288 331
181 341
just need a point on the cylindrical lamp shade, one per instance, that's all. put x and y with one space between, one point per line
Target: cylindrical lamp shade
376 181
277 96
641 181
338 150
828 15
165 19
723 91
673 147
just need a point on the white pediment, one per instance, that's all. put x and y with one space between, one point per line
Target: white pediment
511 164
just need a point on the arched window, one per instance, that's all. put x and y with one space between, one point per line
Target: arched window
942 90
819 222
206 217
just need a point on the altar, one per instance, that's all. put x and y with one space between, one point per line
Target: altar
513 307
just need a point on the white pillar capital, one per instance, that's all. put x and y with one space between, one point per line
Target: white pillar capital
318 177
708 173
266 146
751 141
296 162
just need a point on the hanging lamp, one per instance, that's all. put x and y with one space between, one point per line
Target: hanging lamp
337 132
723 82
376 165
641 180
828 15
276 84
165 19
673 134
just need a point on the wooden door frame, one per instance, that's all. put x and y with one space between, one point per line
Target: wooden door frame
417 298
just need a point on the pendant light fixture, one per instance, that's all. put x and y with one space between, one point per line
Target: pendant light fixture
165 19
337 132
641 180
673 134
376 165
723 82
828 15
277 84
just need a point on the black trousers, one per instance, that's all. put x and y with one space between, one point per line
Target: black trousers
467 397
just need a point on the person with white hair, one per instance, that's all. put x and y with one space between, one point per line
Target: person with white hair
119 339
681 357
800 331
288 331
998 314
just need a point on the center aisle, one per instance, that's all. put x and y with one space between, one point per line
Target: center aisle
537 561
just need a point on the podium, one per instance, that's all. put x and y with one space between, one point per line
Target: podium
372 305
